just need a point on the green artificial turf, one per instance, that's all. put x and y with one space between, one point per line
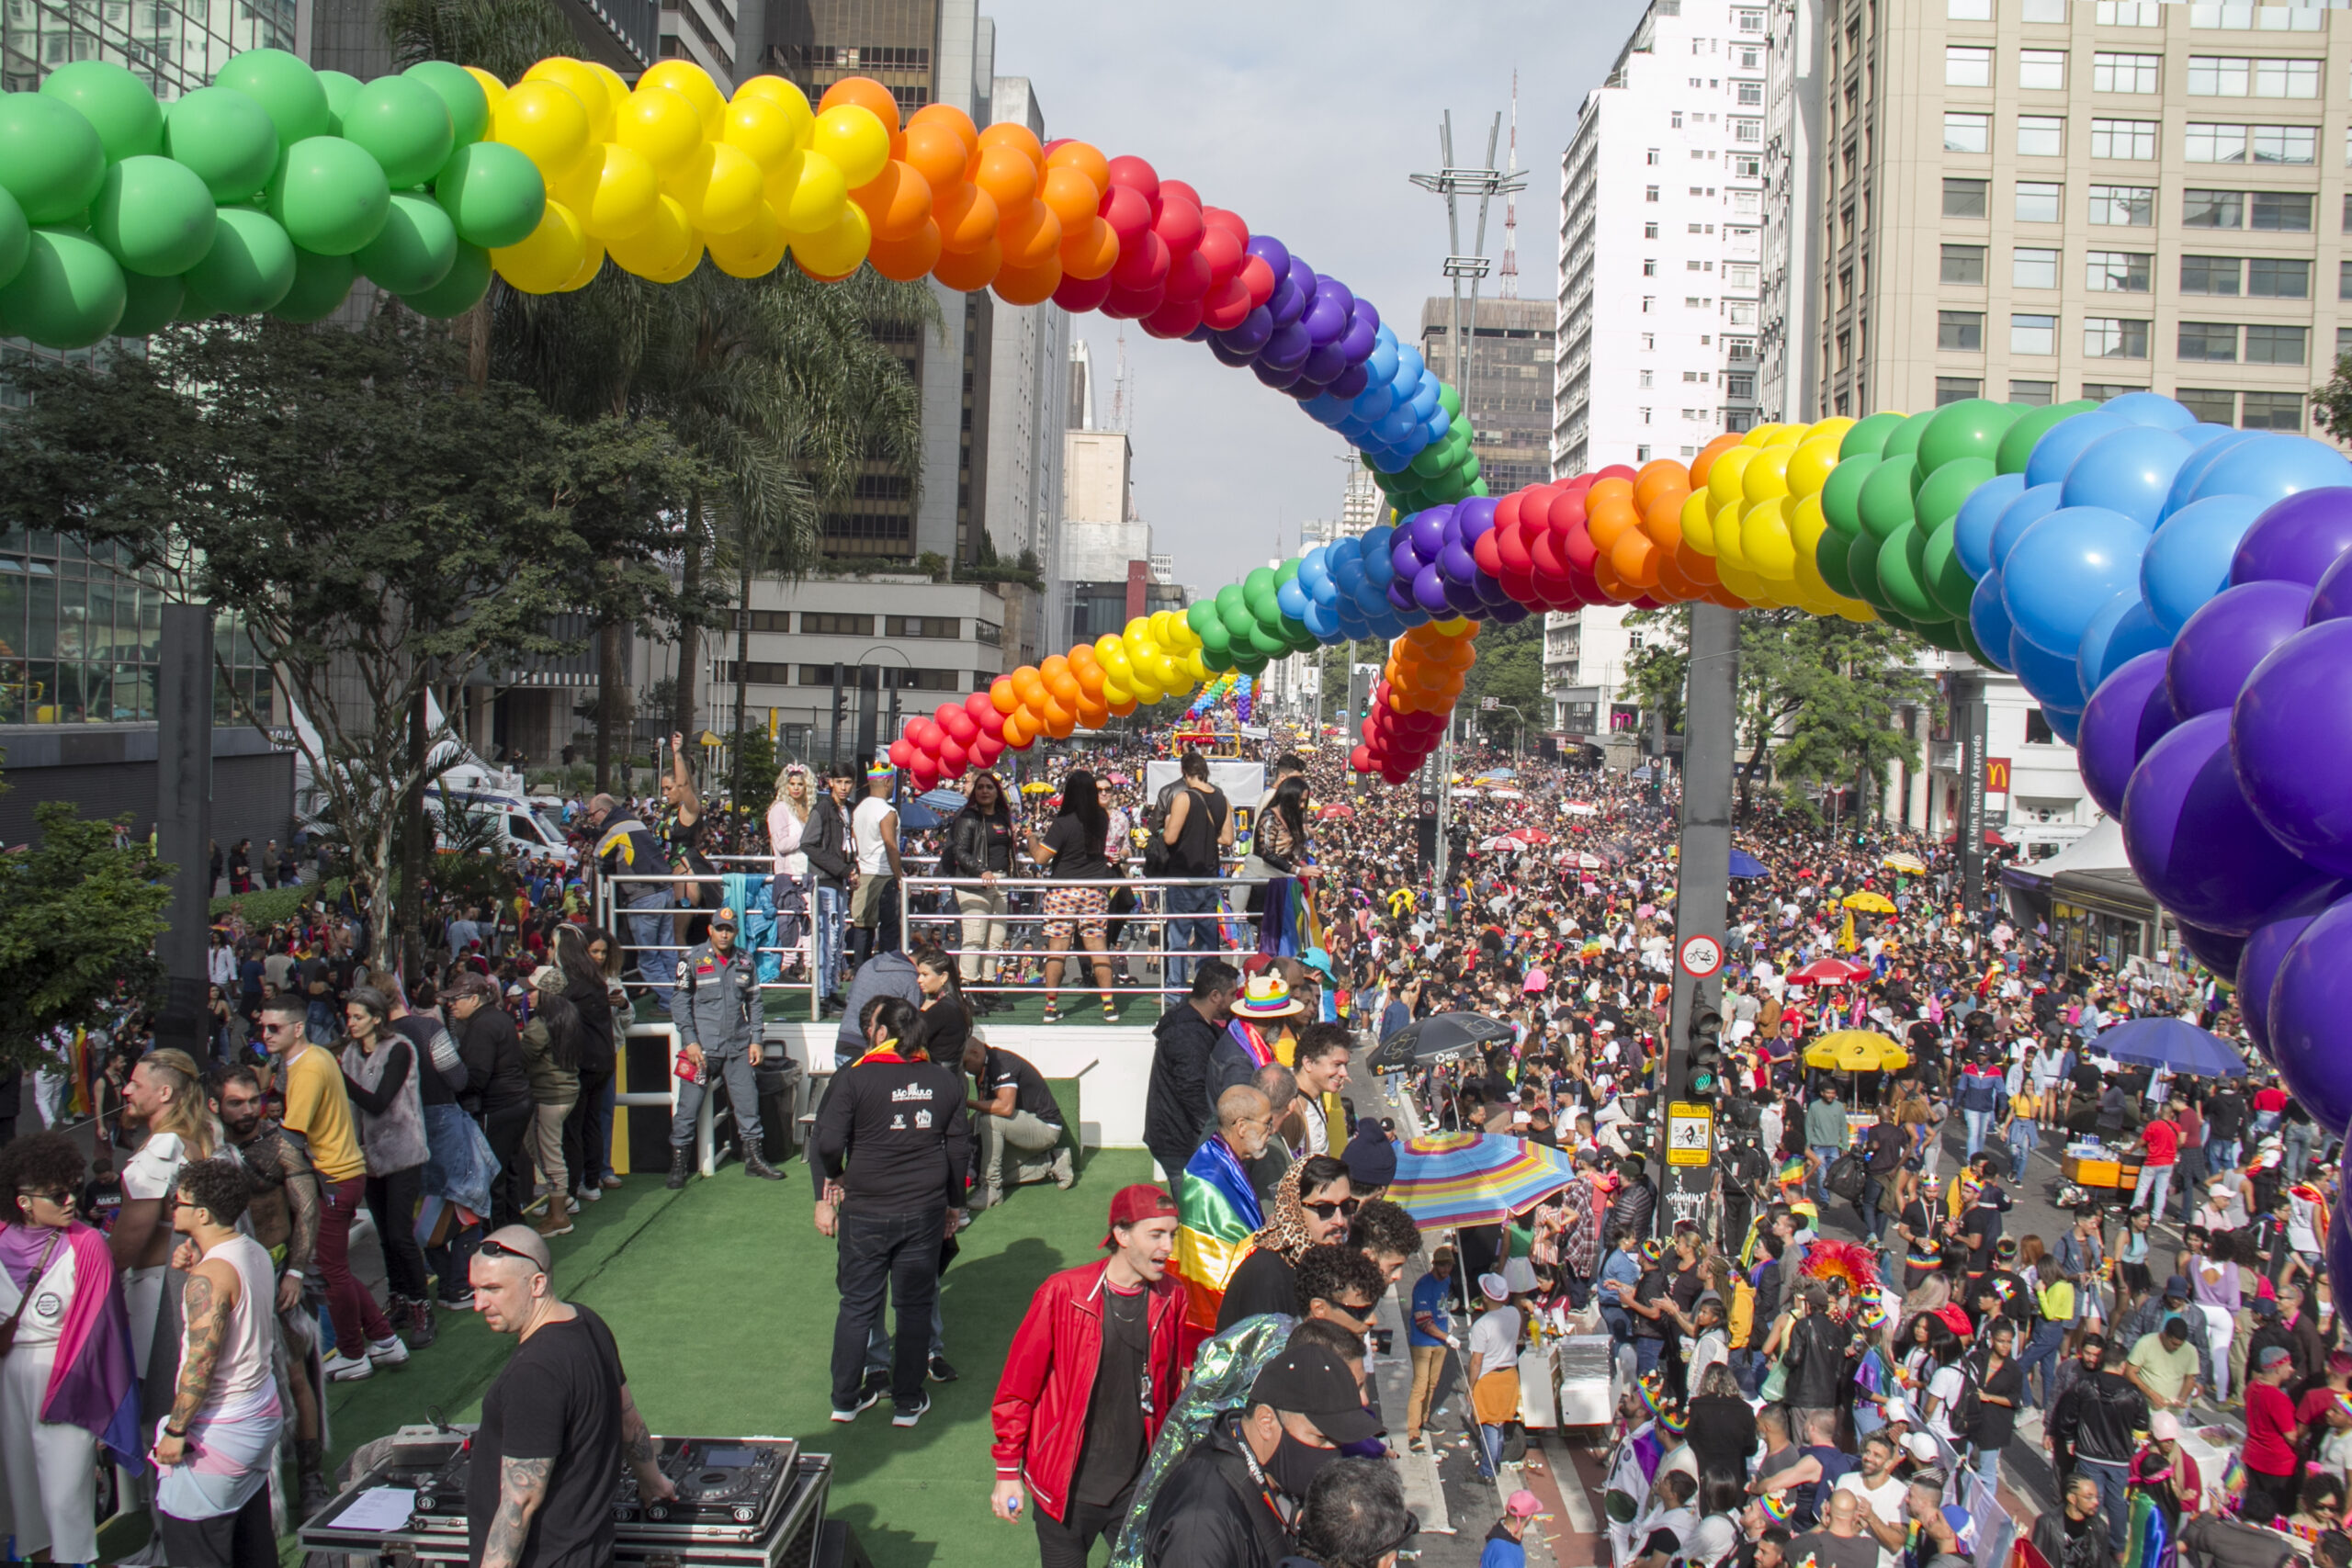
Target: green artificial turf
722 1299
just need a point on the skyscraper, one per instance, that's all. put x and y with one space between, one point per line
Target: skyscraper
1506 387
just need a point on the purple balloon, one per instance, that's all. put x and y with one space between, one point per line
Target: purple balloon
1508 614
1272 251
1252 334
1324 363
1491 593
1358 342
1462 599
2308 1002
1274 374
2128 714
1457 564
2291 740
2339 1238
1404 556
1328 286
1363 312
1288 347
2213 949
2229 634
2266 949
1325 320
2195 841
1400 591
1477 515
1351 383
2332 600
1429 531
1286 305
1428 590
2296 539
1239 358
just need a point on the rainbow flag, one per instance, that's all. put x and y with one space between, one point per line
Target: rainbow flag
1217 1209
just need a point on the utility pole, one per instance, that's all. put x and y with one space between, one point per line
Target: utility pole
1968 722
183 821
1702 894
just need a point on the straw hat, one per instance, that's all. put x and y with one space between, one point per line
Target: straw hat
1267 996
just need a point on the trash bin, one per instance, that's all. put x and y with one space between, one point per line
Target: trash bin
778 1080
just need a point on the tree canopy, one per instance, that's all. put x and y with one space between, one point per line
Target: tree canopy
79 917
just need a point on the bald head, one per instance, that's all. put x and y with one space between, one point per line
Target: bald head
602 805
1279 1084
1843 1514
1245 1120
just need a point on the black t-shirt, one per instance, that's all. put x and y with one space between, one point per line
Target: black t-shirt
1078 852
1264 1283
1113 1449
559 1398
1995 1424
1653 1287
1030 1092
1193 852
1984 1219
2224 1117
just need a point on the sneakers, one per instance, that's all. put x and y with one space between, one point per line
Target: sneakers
608 1181
907 1415
941 1372
589 1195
557 1221
340 1368
1051 1015
462 1301
388 1351
868 1397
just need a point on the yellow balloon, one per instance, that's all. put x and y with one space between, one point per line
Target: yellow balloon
1723 480
838 252
1758 434
786 96
1857 610
692 82
1807 525
590 266
616 89
660 124
851 135
614 190
662 244
491 87
1764 541
683 269
1196 669
544 260
1810 465
1458 626
1785 435
763 129
753 250
1835 425
581 79
1812 589
810 193
1117 693
1698 523
720 188
1731 545
546 123
1765 475
1746 584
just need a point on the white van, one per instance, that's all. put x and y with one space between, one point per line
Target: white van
520 829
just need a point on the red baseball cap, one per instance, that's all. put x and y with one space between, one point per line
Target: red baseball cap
1132 1206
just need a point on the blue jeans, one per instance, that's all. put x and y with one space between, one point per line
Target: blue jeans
878 1343
1989 1468
1648 1353
1827 1154
2220 1153
827 929
1491 1451
2023 1140
2298 1140
892 1255
2111 1499
1188 936
1978 1122
649 923
2041 1351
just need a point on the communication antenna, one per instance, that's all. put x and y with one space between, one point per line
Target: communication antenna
1509 272
1119 410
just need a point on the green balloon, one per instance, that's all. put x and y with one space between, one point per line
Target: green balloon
1434 460
249 268
330 195
226 138
1948 583
1258 593
1466 475
2017 443
492 194
1198 615
1972 427
1939 501
1286 572
1264 643
1251 664
1829 553
1884 504
286 88
119 106
321 284
404 126
340 87
1841 493
1941 634
150 304
1217 643
1902 574
415 249
1868 438
467 105
1900 623
1968 643
50 158
154 216
1862 569
1449 399
1234 611
69 294
16 236
1295 633
1903 441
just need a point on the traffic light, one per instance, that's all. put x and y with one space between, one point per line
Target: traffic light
1704 1068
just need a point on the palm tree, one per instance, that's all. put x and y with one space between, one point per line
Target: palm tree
504 37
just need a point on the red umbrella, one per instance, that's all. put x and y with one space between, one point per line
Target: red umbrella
1530 836
1336 813
1830 972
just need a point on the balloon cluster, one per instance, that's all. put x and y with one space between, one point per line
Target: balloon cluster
1423 676
1389 404
1229 684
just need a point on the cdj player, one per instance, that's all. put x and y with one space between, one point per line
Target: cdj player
728 1489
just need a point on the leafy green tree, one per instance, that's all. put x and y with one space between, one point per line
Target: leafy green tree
79 919
1510 670
2332 404
505 37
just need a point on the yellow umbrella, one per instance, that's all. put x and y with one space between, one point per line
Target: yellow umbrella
1036 786
1856 1051
1871 903
1911 863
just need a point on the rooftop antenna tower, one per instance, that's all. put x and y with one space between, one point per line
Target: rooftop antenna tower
1119 401
1509 272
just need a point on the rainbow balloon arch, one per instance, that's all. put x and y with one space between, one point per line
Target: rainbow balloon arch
2175 594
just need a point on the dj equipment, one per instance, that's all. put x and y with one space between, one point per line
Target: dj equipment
741 1501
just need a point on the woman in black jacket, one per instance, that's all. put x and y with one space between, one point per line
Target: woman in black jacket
498 1088
980 843
588 1131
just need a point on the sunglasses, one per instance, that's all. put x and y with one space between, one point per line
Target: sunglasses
500 1250
57 1196
1412 1528
1325 1211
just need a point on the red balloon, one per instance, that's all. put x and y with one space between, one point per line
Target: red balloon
1137 175
1189 275
1577 547
925 774
1143 263
1127 211
1520 586
1396 776
1545 558
1131 305
1581 483
1081 294
1617 471
1259 277
1171 190
1226 305
951 758
1486 553
961 727
1222 250
925 733
1220 217
1511 554
1567 509
902 751
1174 318
1507 509
1178 222
1360 760
985 751
981 707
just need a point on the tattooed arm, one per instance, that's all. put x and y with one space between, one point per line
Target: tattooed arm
640 1451
522 1488
302 1200
210 1297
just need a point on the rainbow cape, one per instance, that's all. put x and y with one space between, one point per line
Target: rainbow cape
1217 1209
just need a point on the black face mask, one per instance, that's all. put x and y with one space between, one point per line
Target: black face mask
1295 1465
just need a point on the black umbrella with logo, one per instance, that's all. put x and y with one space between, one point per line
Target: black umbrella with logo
1440 1037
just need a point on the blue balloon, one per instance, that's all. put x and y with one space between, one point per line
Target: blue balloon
1387 460
1325 408
2127 470
2272 467
2038 502
1437 424
1383 365
2065 726
2050 677
2063 569
1320 621
1353 431
1372 551
1315 574
1424 402
2207 453
1409 366
1354 626
2148 409
2188 556
2203 435
1375 400
2122 630
2064 442
1396 427
1989 620
1290 599
1972 527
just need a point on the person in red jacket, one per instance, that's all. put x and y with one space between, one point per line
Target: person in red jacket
1093 1371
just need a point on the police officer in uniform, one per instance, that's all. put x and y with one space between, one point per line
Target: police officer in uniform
715 1003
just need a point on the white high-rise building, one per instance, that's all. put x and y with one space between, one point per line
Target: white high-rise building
1660 241
1790 304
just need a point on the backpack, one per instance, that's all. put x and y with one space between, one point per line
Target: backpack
1967 1409
1155 843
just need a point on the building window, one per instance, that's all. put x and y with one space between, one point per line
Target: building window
2033 335
2128 13
1650 194
1966 66
1649 266
1742 385
2117 272
2286 78
2280 211
2273 410
2038 201
1959 332
1649 231
1966 198
1644 379
2033 268
2285 143
2123 139
946 626
2114 337
763 620
817 623
1968 132
1957 389
2042 11
2106 391
2033 394
1845 351
2042 70
2211 405
2213 342
1968 10
761 673
1747 131
1750 94
1962 264
988 632
2276 345
1652 159
2209 275
2212 209
2041 136
2123 207
2214 144
2126 73
1748 21
2231 76
2269 278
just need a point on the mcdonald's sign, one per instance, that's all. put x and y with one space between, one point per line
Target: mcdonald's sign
1996 776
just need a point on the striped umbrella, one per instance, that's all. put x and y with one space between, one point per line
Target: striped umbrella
1475 1178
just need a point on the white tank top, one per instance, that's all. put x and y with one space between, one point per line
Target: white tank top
248 1350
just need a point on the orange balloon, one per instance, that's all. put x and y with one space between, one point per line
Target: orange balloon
1121 710
1605 519
1031 235
1028 285
1018 732
1070 194
1018 138
1657 471
1029 686
1671 583
904 261
1001 696
896 202
936 152
866 93
1699 568
1060 719
1663 521
968 218
1605 573
970 271
1705 460
953 119
1087 160
1635 559
1092 250
1604 490
1080 658
1006 174
1094 713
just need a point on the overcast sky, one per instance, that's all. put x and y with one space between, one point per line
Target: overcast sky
1305 118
